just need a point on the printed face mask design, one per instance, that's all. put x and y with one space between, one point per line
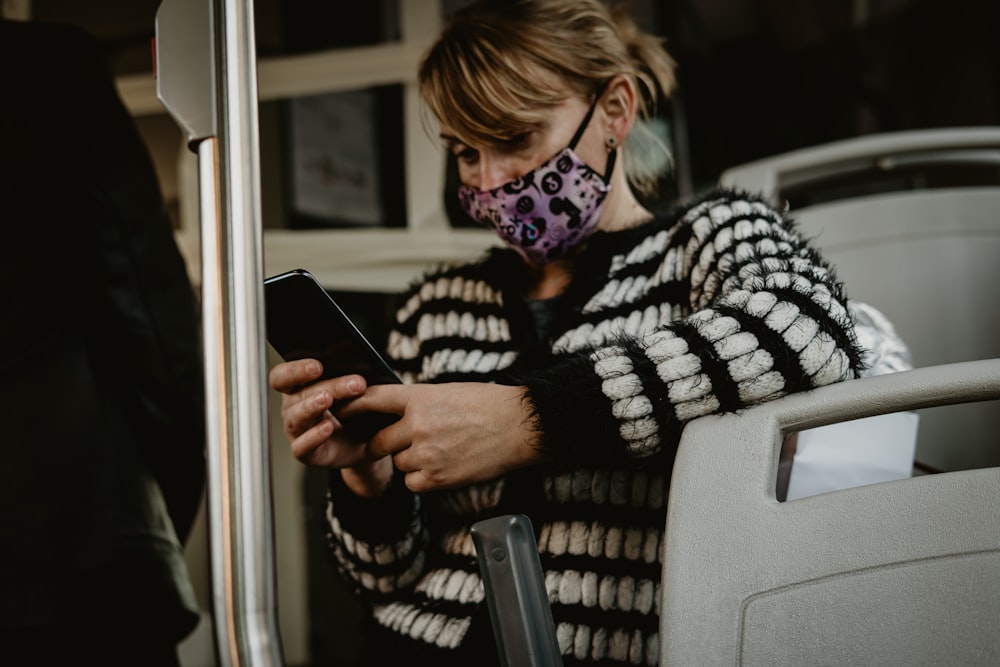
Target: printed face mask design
550 210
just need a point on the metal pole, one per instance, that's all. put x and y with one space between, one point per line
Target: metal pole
206 60
251 535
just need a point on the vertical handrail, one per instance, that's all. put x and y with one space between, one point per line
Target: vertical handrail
252 536
206 61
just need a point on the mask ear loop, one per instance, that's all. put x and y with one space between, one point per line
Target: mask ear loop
612 144
586 119
612 154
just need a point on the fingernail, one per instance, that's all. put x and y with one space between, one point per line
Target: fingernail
315 368
321 398
354 385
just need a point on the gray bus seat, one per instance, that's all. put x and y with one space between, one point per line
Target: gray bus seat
925 257
904 572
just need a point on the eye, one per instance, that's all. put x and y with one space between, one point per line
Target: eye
519 141
467 154
464 153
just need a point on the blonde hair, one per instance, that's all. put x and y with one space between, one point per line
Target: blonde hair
490 73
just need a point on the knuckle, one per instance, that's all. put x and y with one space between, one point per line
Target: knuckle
301 452
435 478
414 483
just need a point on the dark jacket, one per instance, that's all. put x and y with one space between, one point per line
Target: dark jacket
101 398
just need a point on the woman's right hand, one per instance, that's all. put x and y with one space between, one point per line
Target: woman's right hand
316 437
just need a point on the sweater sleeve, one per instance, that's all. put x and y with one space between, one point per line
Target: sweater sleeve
378 544
762 316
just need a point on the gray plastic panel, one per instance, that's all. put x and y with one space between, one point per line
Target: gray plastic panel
185 65
903 572
515 592
856 615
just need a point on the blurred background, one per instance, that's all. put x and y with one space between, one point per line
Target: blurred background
757 77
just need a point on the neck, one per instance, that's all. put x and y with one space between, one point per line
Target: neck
622 209
550 279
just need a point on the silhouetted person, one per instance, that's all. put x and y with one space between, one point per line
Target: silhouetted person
101 397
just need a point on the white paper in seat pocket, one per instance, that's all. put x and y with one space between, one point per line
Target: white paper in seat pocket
855 453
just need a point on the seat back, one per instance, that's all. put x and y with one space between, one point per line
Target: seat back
904 572
926 258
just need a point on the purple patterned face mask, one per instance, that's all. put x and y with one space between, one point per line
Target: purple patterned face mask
548 211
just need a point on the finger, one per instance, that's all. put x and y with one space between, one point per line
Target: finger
288 376
304 446
387 398
417 482
344 387
303 410
326 446
390 440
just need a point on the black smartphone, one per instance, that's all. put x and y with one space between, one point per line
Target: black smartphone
304 322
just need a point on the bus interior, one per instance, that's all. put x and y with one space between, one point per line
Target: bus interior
874 123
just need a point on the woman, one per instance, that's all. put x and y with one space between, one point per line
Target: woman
553 377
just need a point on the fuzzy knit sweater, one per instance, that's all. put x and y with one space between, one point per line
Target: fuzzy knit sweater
718 306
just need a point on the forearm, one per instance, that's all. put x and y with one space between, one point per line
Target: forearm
765 318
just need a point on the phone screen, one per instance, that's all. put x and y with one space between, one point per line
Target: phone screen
304 322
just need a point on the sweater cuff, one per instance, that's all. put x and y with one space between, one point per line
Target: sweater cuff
373 520
573 415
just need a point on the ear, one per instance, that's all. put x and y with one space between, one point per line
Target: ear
619 104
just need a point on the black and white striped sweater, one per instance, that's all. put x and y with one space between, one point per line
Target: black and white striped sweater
717 307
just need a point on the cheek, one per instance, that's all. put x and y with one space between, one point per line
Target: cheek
467 175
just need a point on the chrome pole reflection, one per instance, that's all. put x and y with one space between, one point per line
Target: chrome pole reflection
243 534
207 79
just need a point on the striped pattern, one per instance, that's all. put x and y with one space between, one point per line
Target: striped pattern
713 309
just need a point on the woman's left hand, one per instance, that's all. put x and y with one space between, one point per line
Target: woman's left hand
453 434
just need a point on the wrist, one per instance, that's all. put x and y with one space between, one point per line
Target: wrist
370 479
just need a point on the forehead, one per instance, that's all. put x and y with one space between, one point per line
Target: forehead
545 119
498 104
